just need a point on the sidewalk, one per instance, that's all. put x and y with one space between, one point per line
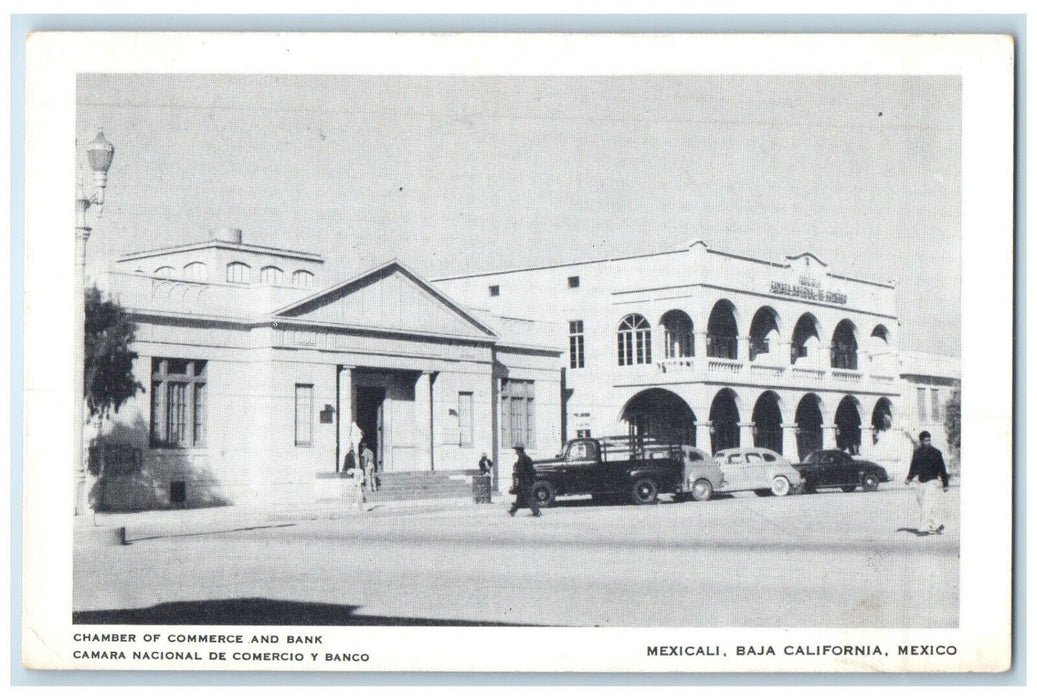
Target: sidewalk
154 524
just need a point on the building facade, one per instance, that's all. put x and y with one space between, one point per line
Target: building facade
259 376
713 349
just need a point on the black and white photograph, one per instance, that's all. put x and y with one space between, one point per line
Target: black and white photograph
598 347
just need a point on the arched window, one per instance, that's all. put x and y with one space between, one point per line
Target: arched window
302 279
722 331
165 272
196 271
763 333
806 340
635 340
678 338
239 272
271 275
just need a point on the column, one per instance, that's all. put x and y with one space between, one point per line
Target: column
828 437
703 438
743 349
789 444
784 356
423 423
344 411
745 435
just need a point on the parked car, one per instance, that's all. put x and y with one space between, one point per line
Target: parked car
638 469
702 476
756 469
835 469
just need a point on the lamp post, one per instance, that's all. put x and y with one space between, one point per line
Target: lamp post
99 153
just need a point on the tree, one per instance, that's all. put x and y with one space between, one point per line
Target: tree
952 421
108 373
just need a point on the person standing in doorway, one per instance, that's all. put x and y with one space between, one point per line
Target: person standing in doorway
367 464
523 475
927 465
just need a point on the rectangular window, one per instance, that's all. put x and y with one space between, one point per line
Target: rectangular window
921 403
574 282
465 424
494 290
517 413
303 414
583 433
935 395
178 401
575 344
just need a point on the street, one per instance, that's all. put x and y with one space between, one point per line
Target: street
823 560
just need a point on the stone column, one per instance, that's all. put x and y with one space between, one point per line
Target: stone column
423 423
703 438
789 444
745 435
743 349
828 437
344 411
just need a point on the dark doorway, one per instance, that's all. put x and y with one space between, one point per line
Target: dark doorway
848 426
660 415
370 418
767 422
808 425
723 415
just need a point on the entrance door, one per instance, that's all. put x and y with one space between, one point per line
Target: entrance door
370 418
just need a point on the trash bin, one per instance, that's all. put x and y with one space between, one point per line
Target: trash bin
481 488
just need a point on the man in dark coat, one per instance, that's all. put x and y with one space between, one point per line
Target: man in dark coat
927 465
524 474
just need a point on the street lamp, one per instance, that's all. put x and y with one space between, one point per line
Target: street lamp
99 153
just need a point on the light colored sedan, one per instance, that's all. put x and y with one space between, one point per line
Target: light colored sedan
759 470
702 477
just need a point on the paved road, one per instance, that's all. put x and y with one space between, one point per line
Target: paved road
822 560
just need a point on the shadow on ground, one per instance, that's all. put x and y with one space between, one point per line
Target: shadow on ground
914 531
258 611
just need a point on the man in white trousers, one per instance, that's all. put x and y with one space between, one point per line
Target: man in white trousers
927 465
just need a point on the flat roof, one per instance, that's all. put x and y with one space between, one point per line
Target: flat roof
243 247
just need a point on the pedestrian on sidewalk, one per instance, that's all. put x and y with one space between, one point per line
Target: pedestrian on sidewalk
523 476
359 498
928 466
368 466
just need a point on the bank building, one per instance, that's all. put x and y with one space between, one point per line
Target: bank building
259 373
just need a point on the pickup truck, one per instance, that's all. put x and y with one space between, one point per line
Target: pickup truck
607 467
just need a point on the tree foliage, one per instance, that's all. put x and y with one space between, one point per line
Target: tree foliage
952 421
108 373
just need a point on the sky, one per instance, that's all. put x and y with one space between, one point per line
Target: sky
468 174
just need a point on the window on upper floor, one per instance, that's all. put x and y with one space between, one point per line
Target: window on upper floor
302 279
634 341
196 271
575 344
239 273
166 272
494 290
934 394
574 282
271 275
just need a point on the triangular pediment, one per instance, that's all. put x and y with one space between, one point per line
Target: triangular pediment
390 298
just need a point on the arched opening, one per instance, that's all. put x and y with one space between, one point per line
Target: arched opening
723 415
166 272
879 352
722 331
844 346
661 415
806 340
767 422
881 417
634 338
196 271
679 341
808 425
763 333
848 426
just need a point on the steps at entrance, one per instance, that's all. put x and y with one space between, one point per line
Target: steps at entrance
409 486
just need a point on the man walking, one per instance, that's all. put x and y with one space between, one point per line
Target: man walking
927 464
523 475
368 465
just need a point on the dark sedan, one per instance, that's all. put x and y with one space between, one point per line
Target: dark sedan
826 469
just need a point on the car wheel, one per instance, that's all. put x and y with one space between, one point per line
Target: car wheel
780 486
542 493
701 490
644 492
870 482
850 488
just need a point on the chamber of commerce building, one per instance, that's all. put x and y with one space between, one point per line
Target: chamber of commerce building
259 373
720 350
